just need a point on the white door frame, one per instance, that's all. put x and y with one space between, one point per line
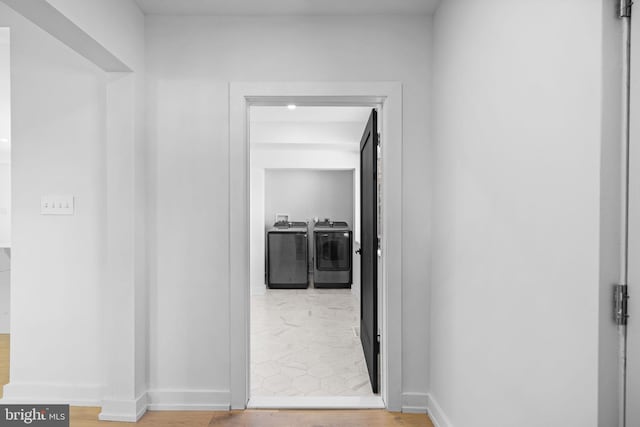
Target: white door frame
243 95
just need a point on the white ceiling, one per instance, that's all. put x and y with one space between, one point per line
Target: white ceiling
308 125
288 7
310 114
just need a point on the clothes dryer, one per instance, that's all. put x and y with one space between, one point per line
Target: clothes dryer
332 254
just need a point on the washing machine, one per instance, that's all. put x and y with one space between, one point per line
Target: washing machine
287 255
332 254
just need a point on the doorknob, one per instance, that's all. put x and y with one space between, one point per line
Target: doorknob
359 251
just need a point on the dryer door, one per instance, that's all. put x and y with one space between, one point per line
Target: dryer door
333 250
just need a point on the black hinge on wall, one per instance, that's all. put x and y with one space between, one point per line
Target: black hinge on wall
620 304
625 8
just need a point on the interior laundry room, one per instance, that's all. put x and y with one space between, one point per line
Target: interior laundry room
305 302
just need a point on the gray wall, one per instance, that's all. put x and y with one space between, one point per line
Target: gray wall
305 194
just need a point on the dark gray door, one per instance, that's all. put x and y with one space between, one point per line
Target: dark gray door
369 247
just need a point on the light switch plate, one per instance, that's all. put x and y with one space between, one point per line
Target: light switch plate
57 205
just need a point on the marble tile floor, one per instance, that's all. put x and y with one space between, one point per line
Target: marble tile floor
304 342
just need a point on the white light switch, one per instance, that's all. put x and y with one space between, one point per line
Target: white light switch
56 205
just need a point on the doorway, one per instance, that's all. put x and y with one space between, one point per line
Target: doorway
305 245
388 97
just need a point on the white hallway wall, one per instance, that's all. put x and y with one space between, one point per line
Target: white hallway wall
62 122
190 62
58 111
116 24
517 162
5 144
5 181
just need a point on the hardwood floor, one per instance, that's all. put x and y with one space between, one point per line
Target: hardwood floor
4 360
88 416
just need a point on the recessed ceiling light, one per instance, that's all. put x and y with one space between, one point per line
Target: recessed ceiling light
291 106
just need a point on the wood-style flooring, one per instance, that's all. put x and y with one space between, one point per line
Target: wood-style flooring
4 361
88 417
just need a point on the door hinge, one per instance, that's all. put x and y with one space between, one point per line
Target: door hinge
620 304
379 139
625 8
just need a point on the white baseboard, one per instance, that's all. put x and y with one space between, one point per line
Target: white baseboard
436 413
124 410
414 402
75 395
355 289
259 289
188 400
